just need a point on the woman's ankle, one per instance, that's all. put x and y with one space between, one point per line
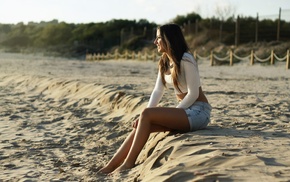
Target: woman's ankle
128 165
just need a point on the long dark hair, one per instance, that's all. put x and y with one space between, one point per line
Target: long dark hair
175 46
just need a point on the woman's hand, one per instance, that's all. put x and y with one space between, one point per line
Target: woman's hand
135 123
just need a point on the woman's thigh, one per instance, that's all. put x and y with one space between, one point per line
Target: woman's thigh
171 118
159 128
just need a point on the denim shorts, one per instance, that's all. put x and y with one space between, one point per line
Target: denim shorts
198 115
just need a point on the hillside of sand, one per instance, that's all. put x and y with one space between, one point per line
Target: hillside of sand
63 119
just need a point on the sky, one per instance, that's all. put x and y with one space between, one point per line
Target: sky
158 11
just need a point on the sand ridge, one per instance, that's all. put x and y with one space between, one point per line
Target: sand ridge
63 119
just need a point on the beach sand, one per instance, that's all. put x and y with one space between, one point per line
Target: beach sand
61 120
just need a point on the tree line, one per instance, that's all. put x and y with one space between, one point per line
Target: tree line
76 39
68 38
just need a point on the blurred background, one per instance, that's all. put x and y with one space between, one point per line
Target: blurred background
72 28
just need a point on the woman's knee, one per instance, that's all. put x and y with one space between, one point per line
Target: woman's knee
145 115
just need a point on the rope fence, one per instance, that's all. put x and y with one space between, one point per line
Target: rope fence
214 58
126 56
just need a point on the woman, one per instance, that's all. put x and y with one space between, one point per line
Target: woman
177 67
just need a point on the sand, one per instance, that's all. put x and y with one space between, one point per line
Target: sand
61 119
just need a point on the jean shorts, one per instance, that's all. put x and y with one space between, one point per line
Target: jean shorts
198 115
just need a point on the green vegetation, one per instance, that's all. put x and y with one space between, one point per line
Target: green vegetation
77 39
74 39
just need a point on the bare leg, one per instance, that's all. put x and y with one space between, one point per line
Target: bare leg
172 118
120 155
122 152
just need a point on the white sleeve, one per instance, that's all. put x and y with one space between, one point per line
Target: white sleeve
192 80
157 92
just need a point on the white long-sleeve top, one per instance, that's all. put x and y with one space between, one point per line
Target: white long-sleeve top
189 82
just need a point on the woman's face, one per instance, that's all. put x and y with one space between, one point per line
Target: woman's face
159 42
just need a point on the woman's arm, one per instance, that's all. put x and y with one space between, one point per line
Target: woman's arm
192 80
157 92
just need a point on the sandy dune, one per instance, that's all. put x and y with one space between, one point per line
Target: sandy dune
60 120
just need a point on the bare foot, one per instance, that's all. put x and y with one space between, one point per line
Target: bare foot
105 170
123 168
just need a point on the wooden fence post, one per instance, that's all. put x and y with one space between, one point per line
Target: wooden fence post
103 56
279 25
145 57
126 55
211 58
231 58
154 56
99 57
272 57
133 55
287 60
87 56
237 32
252 57
194 55
94 56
